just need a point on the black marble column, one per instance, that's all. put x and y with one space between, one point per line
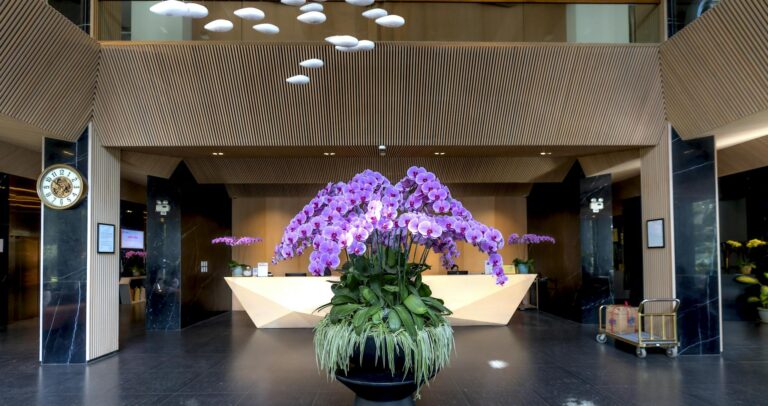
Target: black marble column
64 275
596 231
5 228
163 261
697 271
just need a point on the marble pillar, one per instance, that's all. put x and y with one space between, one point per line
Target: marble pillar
4 254
596 232
64 276
163 308
697 269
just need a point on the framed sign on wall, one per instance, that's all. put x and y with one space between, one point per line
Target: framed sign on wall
106 238
655 233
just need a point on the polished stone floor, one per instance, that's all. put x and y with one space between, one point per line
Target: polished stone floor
227 361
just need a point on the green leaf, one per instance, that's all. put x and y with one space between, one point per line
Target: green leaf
391 288
748 280
419 321
415 305
339 312
424 290
394 322
368 295
342 299
753 299
436 304
407 319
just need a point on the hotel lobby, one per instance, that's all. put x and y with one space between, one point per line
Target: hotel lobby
359 202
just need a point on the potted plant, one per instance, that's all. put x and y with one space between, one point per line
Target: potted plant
762 295
237 268
134 262
385 335
526 266
744 253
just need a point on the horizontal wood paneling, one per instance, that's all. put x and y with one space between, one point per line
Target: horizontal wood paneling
403 94
743 157
48 70
19 161
323 170
715 71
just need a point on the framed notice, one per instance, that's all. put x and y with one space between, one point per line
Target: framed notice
655 231
106 238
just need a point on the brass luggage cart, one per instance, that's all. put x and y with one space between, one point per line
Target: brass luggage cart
656 327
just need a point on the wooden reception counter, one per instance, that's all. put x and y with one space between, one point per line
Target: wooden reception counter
290 302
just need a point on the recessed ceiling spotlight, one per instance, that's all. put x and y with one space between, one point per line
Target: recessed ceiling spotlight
382 147
439 153
545 153
217 153
329 153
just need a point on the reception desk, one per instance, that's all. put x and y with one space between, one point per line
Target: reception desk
290 302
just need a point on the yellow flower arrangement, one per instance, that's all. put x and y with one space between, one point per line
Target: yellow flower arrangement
754 243
733 244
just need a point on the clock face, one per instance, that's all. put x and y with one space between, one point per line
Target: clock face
61 187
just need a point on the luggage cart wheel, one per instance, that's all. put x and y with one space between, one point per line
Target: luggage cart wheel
640 352
672 352
601 338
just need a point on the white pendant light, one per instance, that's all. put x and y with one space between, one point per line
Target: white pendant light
311 7
313 63
312 17
250 13
170 8
270 29
293 2
298 80
196 10
219 26
390 21
374 13
362 3
346 41
362 45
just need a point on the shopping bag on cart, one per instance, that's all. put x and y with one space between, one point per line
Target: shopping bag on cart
621 319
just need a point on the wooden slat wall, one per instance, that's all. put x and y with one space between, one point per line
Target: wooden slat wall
715 71
656 195
19 161
233 94
103 269
323 170
48 70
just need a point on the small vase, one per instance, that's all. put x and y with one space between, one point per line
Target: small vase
248 271
763 314
237 271
746 269
522 269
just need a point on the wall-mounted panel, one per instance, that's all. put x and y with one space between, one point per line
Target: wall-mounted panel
715 70
234 94
48 71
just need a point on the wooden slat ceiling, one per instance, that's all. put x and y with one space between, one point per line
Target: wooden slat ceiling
47 73
323 170
403 94
20 161
743 157
300 190
715 71
136 166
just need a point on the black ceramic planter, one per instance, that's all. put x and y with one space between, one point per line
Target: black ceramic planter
374 384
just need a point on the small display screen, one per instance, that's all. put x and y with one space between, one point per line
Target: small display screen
131 239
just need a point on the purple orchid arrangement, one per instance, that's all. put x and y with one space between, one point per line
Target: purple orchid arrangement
137 254
369 217
516 239
236 241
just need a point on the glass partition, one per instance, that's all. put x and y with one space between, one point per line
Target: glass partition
425 21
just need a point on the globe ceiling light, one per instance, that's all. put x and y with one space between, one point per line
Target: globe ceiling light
170 8
346 41
361 3
362 45
390 21
293 2
269 29
298 80
195 10
312 17
250 13
219 26
311 7
374 13
313 63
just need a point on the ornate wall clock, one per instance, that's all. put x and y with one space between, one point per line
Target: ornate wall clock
61 187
